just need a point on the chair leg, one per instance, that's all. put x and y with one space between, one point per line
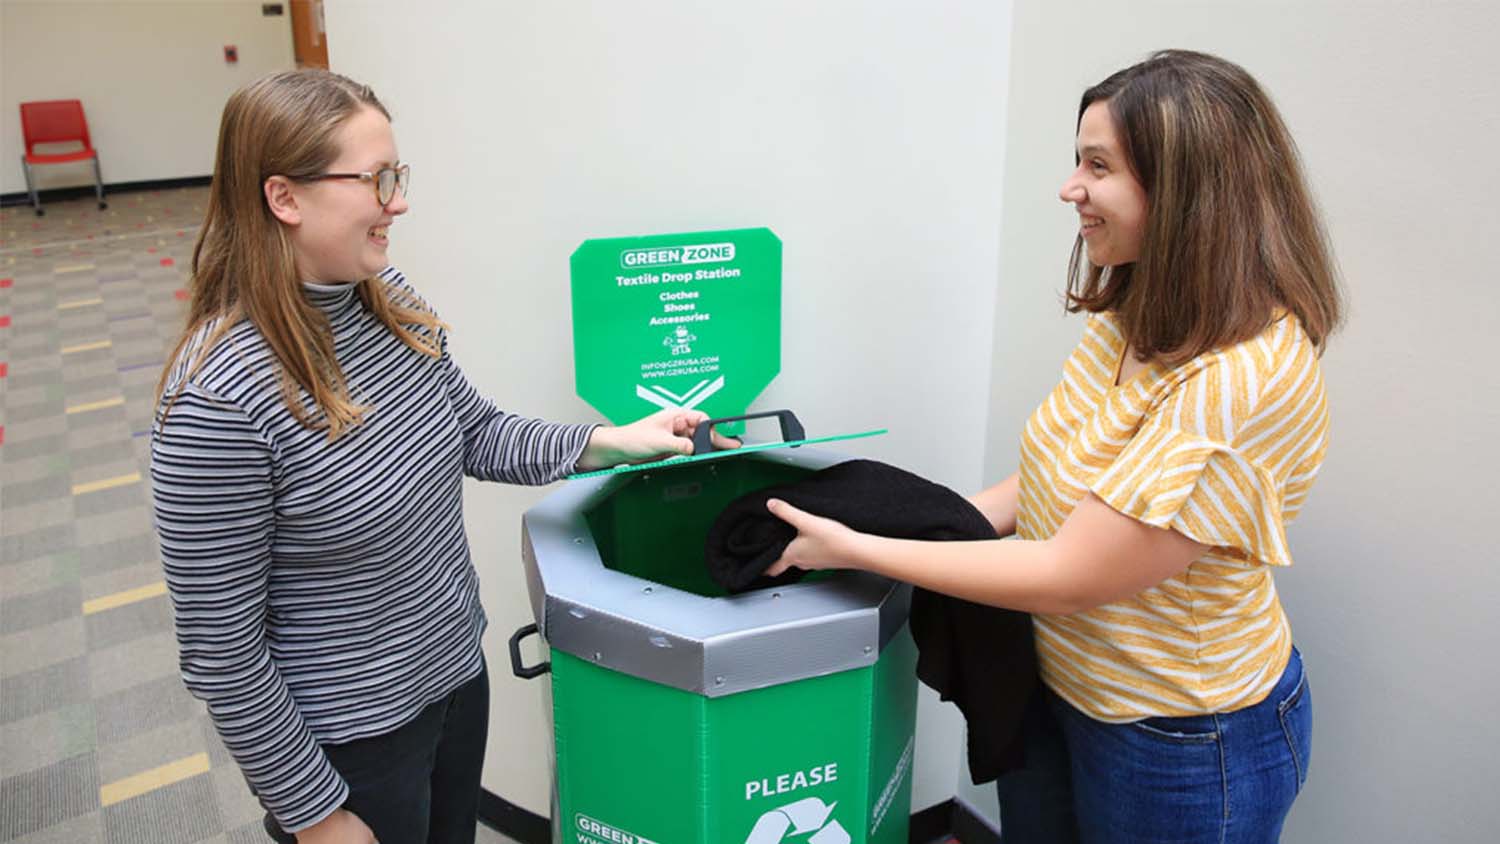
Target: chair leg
36 201
99 184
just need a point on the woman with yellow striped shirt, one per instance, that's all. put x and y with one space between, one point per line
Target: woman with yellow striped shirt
1157 478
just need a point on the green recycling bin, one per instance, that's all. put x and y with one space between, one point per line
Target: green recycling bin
683 715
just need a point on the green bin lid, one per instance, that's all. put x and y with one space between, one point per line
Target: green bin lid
725 454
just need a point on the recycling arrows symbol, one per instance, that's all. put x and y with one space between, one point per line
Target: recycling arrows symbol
809 815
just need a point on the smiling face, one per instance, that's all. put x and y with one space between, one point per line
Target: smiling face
339 230
1111 202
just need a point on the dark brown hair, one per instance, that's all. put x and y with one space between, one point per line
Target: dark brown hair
1232 236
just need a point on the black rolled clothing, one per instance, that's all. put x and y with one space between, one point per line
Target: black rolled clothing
418 784
867 495
981 658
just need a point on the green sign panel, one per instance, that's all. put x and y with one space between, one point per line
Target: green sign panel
676 320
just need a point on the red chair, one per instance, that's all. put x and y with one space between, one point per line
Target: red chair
53 122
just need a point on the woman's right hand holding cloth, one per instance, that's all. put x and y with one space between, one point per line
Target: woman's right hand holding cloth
1098 555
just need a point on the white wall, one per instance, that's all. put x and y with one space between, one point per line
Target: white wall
867 135
1396 108
151 76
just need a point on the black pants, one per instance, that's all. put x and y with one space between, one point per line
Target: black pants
420 783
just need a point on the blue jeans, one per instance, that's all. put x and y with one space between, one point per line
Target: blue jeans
1228 778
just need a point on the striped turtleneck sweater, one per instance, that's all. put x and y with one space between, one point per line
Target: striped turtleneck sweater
323 590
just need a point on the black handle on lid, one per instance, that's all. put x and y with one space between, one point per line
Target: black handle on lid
791 429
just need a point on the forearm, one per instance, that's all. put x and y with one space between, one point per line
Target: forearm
603 450
1015 574
999 504
501 446
663 434
512 449
1096 557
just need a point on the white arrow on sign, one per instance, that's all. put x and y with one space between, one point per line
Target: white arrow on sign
687 401
807 815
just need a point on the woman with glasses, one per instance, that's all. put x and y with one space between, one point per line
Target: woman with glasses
307 463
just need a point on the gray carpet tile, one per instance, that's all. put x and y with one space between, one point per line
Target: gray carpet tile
42 408
23 433
102 384
38 575
40 608
84 436
121 579
25 350
115 669
141 377
95 458
93 564
27 517
80 368
26 471
181 813
17 396
109 542
111 418
36 543
44 488
122 464
36 376
218 755
148 706
50 795
133 497
132 621
47 738
27 694
30 440
134 339
39 647
236 804
249 833
84 828
147 750
82 327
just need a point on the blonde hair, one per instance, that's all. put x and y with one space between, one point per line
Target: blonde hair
1232 236
243 263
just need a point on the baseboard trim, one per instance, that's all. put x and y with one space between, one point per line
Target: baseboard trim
81 191
512 821
932 824
970 827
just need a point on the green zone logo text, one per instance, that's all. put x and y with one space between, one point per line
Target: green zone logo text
674 256
591 831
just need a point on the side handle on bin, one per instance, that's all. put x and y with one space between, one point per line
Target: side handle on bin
791 429
525 672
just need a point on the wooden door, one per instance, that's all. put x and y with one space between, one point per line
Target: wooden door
309 41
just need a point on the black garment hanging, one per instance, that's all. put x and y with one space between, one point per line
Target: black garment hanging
981 658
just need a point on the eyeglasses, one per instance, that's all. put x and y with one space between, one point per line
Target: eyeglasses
387 180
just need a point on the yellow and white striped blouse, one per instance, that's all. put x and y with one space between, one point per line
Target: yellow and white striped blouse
1223 449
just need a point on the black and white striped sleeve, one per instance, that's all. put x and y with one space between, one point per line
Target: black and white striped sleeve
500 446
212 475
